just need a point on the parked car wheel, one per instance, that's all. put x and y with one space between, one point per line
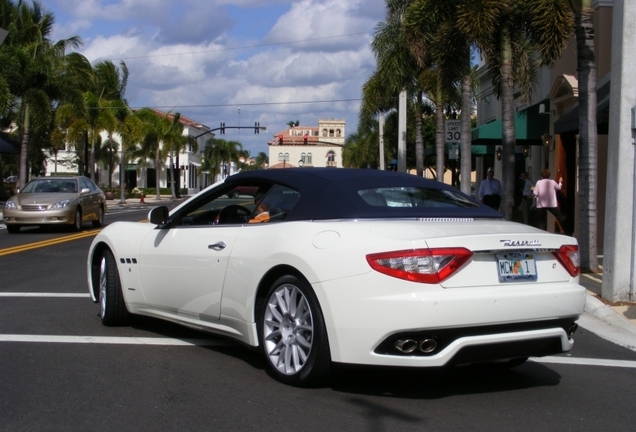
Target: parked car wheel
100 218
112 308
293 334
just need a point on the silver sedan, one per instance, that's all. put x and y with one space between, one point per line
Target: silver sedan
67 201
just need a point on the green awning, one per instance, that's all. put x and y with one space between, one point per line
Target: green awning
529 126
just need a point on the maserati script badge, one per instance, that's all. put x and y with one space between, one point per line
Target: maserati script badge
517 243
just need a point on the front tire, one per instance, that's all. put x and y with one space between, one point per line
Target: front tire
292 334
112 308
77 224
13 229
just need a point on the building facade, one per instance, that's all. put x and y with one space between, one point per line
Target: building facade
546 126
308 146
142 173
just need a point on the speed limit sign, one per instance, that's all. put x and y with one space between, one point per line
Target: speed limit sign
452 131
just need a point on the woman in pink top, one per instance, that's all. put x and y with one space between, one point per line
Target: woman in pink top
545 190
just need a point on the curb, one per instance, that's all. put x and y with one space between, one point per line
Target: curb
603 321
605 313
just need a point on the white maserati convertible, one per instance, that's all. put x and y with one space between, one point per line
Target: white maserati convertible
319 266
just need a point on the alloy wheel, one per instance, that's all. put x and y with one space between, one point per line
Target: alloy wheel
103 285
288 329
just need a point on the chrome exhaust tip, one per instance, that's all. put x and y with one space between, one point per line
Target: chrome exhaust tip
406 346
427 345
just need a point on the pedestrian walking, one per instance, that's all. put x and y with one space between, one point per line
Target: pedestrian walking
527 197
545 192
490 190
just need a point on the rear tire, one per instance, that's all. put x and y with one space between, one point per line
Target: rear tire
292 334
112 308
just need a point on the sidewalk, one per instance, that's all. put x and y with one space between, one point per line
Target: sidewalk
150 201
593 283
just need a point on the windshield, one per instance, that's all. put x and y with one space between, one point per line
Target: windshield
50 186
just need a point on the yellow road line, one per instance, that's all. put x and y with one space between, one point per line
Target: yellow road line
44 243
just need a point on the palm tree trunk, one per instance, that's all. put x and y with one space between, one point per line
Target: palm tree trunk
419 142
588 139
507 129
91 166
172 184
24 148
158 174
466 153
122 175
439 132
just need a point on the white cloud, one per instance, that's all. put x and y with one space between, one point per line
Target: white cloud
189 55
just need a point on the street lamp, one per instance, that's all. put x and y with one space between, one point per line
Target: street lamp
498 153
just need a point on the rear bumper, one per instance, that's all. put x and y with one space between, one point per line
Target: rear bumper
364 316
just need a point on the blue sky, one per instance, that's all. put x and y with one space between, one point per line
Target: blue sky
233 61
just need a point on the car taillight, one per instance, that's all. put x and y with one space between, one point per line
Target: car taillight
569 257
420 265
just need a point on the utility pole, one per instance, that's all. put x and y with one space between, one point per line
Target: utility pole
381 138
401 160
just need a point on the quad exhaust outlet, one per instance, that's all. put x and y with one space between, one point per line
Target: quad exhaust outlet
409 346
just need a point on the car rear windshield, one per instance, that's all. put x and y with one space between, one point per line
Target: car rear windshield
415 197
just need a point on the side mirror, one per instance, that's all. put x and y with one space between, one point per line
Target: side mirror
84 191
158 215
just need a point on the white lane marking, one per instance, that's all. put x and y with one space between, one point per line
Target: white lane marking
223 343
42 294
113 340
585 361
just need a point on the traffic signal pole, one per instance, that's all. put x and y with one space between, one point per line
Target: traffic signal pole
257 129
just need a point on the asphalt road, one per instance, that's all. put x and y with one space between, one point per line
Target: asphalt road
61 370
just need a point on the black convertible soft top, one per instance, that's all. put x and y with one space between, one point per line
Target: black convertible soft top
332 193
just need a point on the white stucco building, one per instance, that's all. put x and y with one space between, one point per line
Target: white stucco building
308 146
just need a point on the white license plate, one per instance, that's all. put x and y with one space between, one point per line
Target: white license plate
516 266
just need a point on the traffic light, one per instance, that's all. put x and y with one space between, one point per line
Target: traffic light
257 127
305 139
280 139
222 128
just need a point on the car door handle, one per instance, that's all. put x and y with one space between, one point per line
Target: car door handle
217 246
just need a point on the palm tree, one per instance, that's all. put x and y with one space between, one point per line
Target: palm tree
132 130
219 153
397 70
108 154
261 160
161 130
360 150
588 134
515 37
436 43
36 66
178 143
111 82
